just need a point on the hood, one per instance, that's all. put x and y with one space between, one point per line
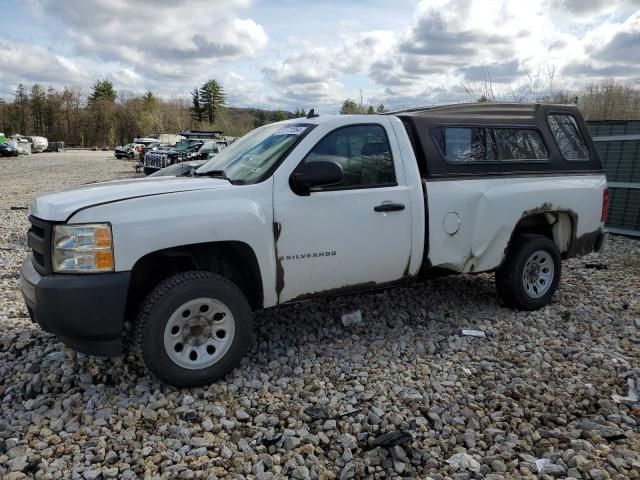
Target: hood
170 151
59 206
162 150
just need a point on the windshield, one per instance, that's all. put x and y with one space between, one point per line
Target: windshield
248 159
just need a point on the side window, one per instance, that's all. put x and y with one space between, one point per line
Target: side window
519 144
570 142
364 153
465 144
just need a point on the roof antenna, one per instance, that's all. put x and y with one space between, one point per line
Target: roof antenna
312 113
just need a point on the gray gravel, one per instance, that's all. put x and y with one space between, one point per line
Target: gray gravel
531 399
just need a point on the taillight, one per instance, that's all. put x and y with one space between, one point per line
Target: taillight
605 205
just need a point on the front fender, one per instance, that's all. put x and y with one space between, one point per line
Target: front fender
148 224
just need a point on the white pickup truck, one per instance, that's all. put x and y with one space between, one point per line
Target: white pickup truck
322 205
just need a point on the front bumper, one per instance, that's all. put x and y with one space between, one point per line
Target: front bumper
85 311
149 170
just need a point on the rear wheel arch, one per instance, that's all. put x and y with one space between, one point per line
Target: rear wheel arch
557 225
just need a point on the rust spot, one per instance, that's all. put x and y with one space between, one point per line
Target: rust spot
544 208
277 229
345 290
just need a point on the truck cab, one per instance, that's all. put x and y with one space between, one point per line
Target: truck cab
323 205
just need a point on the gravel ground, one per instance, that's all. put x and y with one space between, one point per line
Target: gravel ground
538 397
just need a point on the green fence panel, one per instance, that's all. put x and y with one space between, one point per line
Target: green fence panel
619 145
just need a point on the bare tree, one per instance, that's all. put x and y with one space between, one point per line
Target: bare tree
481 91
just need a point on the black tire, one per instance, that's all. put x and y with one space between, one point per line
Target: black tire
510 284
166 299
119 157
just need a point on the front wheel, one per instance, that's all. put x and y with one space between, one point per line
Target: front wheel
194 328
531 273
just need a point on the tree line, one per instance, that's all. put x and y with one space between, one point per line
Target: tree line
606 99
105 116
351 107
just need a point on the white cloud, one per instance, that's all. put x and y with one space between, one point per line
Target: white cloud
449 42
171 46
159 39
23 63
311 77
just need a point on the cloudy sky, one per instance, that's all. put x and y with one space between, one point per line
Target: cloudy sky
289 54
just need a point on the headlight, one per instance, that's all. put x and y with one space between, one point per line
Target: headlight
83 248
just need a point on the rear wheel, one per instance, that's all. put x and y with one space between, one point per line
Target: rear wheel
531 273
194 328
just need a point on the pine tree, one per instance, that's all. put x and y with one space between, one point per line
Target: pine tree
21 106
260 120
349 107
38 101
149 100
196 108
102 90
102 105
278 116
212 99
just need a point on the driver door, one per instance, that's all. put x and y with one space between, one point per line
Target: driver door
352 235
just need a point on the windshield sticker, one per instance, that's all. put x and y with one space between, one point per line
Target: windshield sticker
290 131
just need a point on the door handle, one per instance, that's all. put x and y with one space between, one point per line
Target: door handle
389 207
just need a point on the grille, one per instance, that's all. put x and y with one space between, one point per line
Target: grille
39 240
158 160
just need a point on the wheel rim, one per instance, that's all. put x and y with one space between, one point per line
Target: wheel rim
537 276
199 333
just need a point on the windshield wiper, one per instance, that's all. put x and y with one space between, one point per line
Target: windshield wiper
213 173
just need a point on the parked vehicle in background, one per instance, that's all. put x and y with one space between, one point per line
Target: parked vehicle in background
181 152
132 149
20 143
181 169
143 150
125 151
168 138
38 144
151 147
145 140
55 147
324 205
7 150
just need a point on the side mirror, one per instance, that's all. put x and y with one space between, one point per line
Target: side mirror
316 174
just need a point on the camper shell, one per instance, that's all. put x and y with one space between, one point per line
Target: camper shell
422 125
